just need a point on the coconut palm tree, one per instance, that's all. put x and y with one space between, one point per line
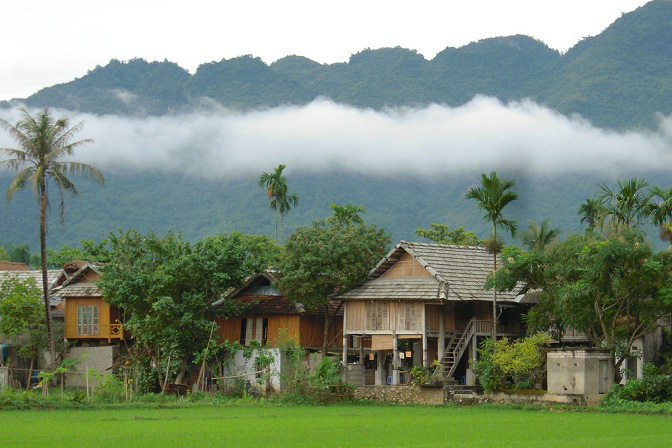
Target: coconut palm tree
626 206
492 196
590 212
276 188
538 237
347 214
44 143
659 209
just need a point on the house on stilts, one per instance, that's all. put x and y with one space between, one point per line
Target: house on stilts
421 303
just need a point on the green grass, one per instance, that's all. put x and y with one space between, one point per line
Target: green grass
348 426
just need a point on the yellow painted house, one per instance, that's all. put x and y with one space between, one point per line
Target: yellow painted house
87 315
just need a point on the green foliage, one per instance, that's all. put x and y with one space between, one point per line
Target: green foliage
424 375
441 233
655 386
518 363
325 259
347 214
88 251
614 289
538 237
168 286
487 372
23 321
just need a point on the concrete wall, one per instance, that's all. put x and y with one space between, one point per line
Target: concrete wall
246 367
577 372
99 358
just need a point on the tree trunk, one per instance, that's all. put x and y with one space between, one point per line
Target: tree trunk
276 223
494 289
51 365
325 339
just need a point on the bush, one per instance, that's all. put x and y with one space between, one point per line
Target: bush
518 364
655 386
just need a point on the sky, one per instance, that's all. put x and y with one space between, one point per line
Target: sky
48 42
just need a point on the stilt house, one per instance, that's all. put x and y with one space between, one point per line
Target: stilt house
424 302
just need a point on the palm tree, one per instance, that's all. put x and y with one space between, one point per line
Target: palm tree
347 214
43 144
627 205
590 212
492 196
538 237
285 202
276 188
659 209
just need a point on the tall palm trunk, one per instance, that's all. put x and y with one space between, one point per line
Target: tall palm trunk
494 289
282 227
276 224
45 284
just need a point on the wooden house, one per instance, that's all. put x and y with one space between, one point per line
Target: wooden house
268 316
87 316
424 302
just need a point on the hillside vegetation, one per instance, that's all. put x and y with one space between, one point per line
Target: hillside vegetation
609 78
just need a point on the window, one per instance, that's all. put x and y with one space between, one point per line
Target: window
378 316
410 316
87 320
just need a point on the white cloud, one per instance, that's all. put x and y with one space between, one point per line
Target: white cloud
482 135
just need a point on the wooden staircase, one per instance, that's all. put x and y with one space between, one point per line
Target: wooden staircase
456 348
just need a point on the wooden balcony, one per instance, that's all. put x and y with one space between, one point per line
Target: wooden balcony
116 332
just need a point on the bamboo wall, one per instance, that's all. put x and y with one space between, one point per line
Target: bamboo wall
407 266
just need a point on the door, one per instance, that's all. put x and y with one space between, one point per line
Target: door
604 375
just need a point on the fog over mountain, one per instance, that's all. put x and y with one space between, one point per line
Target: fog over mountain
323 136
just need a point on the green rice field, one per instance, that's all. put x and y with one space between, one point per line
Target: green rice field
331 426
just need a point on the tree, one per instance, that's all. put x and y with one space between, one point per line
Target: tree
590 211
614 289
538 237
326 259
492 196
659 209
441 233
281 201
23 322
87 250
626 206
168 286
347 214
44 143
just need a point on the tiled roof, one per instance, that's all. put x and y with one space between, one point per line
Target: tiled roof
460 271
79 290
13 266
259 296
52 276
422 288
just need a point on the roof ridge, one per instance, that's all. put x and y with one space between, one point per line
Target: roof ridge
455 246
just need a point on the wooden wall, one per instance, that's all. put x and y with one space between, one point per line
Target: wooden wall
308 331
71 317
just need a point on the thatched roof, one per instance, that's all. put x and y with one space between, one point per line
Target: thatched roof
458 273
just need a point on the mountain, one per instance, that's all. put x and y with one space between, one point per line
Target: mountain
619 79
608 78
